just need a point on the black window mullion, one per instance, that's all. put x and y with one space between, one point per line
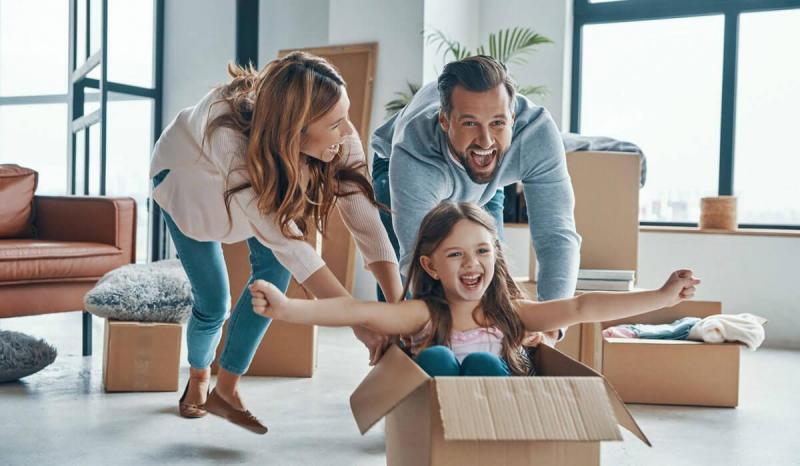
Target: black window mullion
158 229
728 107
71 97
103 92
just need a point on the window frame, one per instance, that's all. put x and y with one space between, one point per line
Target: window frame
585 13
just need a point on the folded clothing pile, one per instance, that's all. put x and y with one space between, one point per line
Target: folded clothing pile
744 328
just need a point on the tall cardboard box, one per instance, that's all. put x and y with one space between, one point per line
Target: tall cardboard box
287 349
557 418
606 187
141 356
672 372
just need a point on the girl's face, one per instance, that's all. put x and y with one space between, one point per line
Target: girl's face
463 262
323 138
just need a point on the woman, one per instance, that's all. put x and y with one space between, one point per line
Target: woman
263 158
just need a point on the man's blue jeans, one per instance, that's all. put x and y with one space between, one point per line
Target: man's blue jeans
440 361
380 183
205 266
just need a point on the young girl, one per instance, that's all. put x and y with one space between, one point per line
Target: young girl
467 316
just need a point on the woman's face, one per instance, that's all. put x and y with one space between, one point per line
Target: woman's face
323 137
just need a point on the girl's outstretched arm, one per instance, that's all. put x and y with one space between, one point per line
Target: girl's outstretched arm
603 306
405 317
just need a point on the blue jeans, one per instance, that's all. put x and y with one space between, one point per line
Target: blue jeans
440 361
380 183
205 266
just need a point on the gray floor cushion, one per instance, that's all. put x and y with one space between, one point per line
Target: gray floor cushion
22 355
154 292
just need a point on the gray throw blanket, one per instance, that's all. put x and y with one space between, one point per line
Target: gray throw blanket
574 142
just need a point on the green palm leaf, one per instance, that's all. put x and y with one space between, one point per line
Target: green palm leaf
512 45
441 41
395 105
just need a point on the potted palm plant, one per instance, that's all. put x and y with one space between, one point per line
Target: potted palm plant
512 45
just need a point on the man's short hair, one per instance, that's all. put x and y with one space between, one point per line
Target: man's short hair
479 73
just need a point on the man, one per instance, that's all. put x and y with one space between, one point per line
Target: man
463 139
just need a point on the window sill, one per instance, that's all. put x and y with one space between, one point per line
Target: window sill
697 231
740 232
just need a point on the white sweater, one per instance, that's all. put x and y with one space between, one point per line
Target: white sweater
193 193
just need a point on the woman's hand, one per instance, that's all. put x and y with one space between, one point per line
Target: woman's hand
679 286
267 299
375 342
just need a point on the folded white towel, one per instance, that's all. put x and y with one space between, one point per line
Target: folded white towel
745 328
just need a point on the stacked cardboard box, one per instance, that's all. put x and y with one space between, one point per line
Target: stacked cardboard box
557 418
141 356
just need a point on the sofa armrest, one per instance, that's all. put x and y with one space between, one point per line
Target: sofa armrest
96 219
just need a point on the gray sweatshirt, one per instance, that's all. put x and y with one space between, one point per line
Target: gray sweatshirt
422 174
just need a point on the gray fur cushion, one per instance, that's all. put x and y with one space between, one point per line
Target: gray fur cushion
22 355
155 292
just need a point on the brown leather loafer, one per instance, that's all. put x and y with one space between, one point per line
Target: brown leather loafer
219 407
189 410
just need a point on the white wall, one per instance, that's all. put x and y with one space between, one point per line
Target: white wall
754 274
458 20
295 24
397 27
549 65
199 41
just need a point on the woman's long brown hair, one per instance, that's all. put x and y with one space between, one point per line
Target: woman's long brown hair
498 301
273 108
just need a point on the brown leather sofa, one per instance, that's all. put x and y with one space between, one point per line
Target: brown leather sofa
77 239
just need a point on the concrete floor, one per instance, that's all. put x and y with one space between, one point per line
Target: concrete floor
62 416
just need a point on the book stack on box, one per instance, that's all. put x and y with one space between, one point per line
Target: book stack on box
605 280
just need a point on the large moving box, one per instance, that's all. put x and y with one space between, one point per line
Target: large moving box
287 350
671 372
556 418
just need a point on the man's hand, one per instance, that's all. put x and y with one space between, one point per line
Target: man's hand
536 338
375 342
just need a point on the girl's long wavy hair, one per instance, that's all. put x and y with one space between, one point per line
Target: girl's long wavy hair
498 301
273 108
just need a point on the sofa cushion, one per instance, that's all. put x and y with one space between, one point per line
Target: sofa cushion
31 259
22 355
17 186
155 292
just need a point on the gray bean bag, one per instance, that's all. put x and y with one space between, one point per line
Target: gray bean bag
154 292
22 355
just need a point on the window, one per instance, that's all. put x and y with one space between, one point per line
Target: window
40 127
766 160
33 89
707 90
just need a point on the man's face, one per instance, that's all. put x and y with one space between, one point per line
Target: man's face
479 130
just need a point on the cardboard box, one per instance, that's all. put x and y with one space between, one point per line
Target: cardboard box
557 418
287 349
141 356
672 372
606 187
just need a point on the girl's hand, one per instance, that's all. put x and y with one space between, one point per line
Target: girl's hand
679 286
267 299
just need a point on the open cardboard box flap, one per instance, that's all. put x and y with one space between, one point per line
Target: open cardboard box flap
388 383
578 405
